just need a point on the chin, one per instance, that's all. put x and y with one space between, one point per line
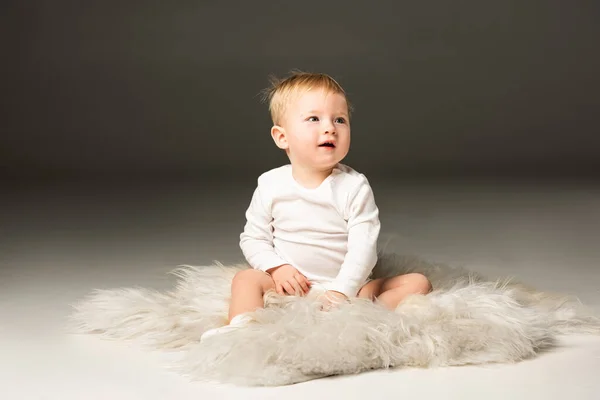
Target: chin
331 165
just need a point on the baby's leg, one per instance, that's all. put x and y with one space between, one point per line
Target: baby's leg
391 291
247 290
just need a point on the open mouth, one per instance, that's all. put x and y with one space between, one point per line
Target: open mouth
327 144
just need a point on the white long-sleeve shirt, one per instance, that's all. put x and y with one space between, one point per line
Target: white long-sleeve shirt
329 233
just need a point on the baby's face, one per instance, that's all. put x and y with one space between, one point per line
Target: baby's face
317 129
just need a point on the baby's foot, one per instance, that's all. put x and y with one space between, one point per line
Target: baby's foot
237 322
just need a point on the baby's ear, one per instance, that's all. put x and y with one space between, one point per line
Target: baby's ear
278 135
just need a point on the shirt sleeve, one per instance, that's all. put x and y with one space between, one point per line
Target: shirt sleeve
363 233
256 240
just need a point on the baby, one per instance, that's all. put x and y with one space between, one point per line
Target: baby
312 224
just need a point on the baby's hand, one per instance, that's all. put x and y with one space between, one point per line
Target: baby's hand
288 280
331 299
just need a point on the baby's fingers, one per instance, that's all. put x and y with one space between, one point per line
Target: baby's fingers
279 288
289 288
306 279
303 282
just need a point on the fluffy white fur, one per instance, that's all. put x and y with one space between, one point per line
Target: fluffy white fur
465 320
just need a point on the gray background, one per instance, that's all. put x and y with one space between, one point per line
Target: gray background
136 89
476 122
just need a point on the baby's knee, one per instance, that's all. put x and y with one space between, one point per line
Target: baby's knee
250 277
420 283
246 275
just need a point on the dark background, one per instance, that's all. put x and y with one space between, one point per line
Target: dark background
170 90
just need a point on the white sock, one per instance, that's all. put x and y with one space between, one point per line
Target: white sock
240 319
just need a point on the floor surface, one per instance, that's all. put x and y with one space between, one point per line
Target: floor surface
58 242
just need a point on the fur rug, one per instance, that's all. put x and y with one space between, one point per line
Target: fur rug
467 319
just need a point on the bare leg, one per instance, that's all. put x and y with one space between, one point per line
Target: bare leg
391 291
247 290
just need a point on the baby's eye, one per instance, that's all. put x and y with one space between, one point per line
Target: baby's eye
313 119
340 120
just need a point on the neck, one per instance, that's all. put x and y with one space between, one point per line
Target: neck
310 178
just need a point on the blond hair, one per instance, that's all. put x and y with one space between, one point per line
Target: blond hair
282 91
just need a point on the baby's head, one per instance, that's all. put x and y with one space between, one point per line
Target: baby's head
311 119
284 92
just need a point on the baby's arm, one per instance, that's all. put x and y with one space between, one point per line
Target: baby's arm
256 241
363 232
